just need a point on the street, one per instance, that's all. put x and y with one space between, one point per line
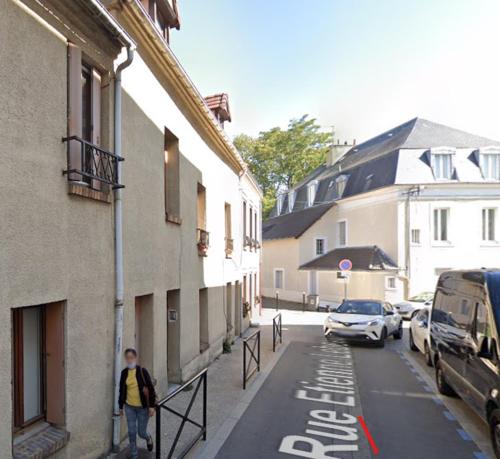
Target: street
332 399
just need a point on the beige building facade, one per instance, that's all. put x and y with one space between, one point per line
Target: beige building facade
185 256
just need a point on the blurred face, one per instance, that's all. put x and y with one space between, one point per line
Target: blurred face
131 360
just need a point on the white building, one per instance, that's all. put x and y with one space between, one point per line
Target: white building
404 206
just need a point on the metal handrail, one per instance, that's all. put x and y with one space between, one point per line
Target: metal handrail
201 377
255 357
95 163
277 331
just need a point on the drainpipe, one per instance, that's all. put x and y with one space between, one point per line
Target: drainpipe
119 290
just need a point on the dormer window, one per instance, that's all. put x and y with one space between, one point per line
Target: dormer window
279 204
340 184
311 192
489 161
291 200
442 163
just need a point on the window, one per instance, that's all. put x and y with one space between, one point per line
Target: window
340 184
490 165
415 236
279 275
311 192
203 319
84 116
442 163
244 223
279 204
250 220
228 229
342 233
481 324
390 283
291 200
201 207
441 223
320 246
489 220
171 177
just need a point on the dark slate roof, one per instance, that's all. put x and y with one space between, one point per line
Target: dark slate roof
293 224
390 158
369 258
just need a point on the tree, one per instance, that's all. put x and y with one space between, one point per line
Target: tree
279 159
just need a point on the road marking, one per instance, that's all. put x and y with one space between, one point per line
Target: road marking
437 400
428 389
368 435
449 416
465 436
480 456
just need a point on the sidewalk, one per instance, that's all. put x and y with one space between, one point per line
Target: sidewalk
225 397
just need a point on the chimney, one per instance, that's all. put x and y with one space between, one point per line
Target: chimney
219 104
336 152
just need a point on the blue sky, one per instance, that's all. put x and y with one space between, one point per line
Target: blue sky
361 65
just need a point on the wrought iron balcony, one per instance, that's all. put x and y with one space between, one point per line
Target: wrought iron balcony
203 241
90 164
229 247
248 241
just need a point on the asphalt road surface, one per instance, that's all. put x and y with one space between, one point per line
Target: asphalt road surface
336 400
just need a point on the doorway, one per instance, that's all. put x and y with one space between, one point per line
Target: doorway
38 364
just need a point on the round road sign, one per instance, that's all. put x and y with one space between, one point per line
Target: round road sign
345 264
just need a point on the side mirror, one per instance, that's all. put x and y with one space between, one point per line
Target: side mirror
486 349
388 313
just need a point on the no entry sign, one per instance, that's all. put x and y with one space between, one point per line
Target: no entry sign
345 264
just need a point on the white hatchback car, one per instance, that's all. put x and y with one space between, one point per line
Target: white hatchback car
364 320
420 329
407 309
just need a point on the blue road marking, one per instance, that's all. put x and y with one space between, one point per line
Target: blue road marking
419 378
428 388
437 400
480 456
465 436
449 416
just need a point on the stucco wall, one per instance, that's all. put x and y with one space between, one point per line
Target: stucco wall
53 246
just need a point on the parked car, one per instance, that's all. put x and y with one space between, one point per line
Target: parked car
465 321
408 308
420 334
365 320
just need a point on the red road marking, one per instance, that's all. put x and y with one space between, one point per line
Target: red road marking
368 435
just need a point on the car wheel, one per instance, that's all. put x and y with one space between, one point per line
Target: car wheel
383 336
442 385
494 422
427 353
412 343
398 334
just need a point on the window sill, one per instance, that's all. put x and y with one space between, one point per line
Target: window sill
170 218
487 244
89 193
442 244
43 443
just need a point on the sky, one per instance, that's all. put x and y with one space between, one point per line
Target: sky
363 66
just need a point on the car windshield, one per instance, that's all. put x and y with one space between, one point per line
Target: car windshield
366 308
421 297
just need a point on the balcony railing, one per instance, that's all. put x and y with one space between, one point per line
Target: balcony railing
90 164
203 242
229 246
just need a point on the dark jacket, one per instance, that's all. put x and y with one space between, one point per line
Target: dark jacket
143 380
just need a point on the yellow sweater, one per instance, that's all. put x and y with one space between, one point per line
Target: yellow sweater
133 395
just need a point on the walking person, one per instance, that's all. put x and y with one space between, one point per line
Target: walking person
138 397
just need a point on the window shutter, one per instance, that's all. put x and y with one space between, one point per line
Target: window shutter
96 120
74 107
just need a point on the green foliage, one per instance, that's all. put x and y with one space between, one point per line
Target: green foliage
279 159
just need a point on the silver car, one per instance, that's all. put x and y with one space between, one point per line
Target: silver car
408 308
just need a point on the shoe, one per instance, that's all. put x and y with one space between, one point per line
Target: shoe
150 444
